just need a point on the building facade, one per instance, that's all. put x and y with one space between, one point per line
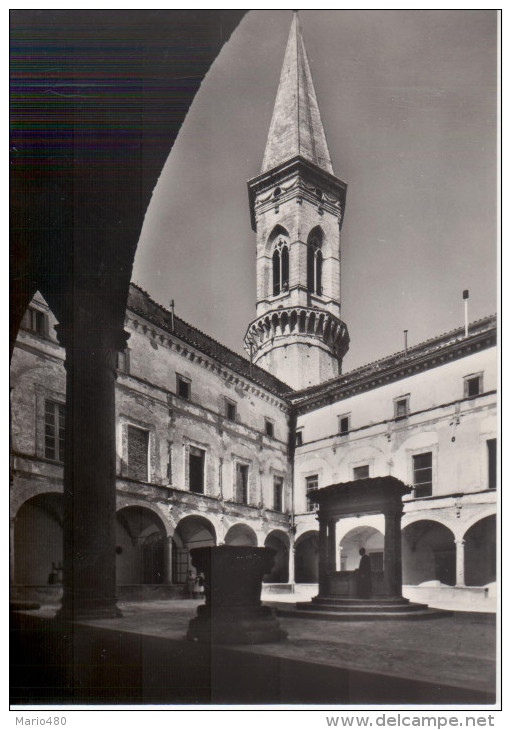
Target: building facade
214 448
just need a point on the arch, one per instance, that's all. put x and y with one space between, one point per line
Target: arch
191 532
141 547
481 552
279 243
38 540
241 534
278 541
307 557
429 553
315 261
363 536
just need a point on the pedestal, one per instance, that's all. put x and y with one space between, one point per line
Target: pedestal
233 613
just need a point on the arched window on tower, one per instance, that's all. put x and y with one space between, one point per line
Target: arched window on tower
280 261
314 265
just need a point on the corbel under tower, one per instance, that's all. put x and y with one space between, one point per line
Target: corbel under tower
297 208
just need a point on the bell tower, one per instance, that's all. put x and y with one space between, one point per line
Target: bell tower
297 208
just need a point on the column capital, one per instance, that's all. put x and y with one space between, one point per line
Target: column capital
94 337
460 542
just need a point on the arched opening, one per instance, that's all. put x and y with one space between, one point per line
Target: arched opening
241 535
279 241
191 532
361 537
315 261
481 552
279 542
429 553
307 558
38 541
141 547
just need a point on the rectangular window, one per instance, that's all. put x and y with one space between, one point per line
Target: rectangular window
492 463
138 452
242 483
123 361
54 430
183 387
311 484
35 321
376 561
299 438
196 461
401 407
472 385
230 410
423 474
344 425
269 428
361 472
278 486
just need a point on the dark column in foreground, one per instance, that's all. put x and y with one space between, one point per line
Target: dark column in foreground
392 563
89 473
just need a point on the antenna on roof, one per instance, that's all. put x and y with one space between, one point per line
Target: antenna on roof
172 315
406 341
465 301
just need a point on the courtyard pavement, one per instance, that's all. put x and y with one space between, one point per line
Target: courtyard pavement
458 651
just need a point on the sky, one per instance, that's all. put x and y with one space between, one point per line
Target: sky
408 101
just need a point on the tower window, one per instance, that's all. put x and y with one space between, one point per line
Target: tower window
35 321
473 385
138 450
278 485
196 460
423 474
54 430
314 267
311 484
183 386
280 262
242 483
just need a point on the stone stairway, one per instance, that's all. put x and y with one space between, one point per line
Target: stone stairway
361 609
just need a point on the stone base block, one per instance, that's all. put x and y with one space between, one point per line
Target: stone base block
235 625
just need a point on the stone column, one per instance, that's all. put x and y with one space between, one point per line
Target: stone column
89 470
323 557
291 576
332 546
460 563
392 567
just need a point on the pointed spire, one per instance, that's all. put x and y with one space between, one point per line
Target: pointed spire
296 127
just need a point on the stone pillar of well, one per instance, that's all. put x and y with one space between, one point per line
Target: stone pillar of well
291 576
460 563
89 469
392 563
332 547
323 558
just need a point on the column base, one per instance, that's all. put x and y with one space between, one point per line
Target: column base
88 609
235 625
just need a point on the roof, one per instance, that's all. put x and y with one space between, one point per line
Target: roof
296 127
141 303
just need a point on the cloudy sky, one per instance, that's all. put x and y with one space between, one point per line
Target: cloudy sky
408 102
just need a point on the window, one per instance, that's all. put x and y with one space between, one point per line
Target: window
280 262
230 410
344 425
54 430
123 361
138 451
183 386
401 407
314 267
35 321
299 438
473 385
269 428
278 485
361 472
196 460
242 483
311 484
423 474
492 463
376 561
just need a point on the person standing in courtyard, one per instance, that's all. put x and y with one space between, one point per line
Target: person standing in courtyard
364 575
